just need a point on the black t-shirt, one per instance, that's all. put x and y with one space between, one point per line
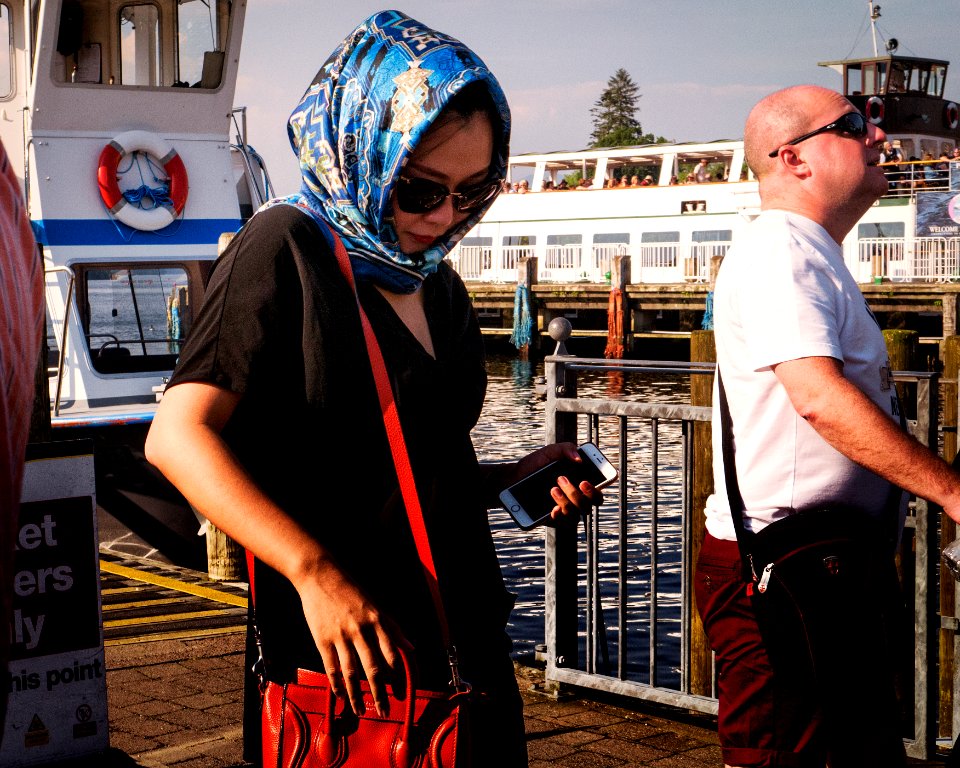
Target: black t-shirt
280 326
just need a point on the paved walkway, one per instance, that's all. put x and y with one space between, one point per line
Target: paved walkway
178 702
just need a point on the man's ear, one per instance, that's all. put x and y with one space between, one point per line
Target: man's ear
791 160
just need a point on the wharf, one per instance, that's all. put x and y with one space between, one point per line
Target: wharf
176 699
671 310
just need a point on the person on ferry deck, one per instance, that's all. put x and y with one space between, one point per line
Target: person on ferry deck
271 424
815 424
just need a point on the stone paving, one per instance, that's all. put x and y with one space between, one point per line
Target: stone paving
178 703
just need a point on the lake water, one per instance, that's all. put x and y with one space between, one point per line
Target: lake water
511 425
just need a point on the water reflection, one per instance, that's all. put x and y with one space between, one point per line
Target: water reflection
512 424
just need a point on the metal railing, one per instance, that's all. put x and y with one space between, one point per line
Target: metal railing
580 582
915 259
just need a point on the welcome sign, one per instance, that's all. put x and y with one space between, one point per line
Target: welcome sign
56 680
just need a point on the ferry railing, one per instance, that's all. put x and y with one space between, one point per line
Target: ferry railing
659 264
578 589
563 263
909 177
915 259
696 264
602 261
471 261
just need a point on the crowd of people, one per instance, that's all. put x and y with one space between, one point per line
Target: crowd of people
700 174
916 172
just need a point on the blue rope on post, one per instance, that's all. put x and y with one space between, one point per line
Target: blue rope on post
522 321
707 323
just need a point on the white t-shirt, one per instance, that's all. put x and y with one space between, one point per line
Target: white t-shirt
784 293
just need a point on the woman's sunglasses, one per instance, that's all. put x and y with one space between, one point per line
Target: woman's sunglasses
416 195
852 124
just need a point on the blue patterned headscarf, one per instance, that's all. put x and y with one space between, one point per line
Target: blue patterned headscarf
366 110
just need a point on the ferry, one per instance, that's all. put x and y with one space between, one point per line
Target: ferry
119 119
569 215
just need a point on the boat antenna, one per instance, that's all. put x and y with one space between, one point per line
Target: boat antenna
874 15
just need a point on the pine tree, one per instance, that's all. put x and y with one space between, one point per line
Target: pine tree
614 121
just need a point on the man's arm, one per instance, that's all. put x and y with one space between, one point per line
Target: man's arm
853 424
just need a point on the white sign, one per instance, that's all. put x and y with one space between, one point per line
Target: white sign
57 684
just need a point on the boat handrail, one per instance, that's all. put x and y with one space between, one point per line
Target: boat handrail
68 306
262 188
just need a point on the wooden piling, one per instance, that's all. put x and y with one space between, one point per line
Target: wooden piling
702 349
527 277
902 349
948 532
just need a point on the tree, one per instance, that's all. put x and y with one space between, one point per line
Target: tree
614 114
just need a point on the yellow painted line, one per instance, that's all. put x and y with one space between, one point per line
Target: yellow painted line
186 634
166 617
146 603
180 586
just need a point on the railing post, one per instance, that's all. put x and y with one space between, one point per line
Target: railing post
949 710
702 349
561 615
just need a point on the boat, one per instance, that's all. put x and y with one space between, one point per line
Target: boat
119 119
675 223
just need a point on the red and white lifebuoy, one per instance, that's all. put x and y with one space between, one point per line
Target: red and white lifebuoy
149 219
951 115
873 110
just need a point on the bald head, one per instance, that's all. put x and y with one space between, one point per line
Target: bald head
778 118
818 169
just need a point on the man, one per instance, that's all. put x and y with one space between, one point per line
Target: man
815 423
702 172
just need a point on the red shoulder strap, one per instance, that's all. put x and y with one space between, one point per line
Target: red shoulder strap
398 446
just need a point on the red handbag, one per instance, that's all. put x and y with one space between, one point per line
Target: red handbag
301 726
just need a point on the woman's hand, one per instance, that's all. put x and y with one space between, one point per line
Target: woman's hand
353 638
571 500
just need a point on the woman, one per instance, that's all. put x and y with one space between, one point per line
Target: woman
271 425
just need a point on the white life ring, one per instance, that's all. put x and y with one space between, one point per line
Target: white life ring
951 115
873 110
147 220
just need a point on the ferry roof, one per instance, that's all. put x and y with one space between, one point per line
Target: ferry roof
839 64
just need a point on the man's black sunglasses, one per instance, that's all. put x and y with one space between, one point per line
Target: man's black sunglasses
416 195
852 124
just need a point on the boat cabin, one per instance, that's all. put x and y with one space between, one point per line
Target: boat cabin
904 96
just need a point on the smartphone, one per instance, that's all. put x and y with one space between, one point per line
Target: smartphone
529 501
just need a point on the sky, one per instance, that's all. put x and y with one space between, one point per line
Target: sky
699 66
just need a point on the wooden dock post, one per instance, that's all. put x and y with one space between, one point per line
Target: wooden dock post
619 336
902 348
702 349
527 277
948 532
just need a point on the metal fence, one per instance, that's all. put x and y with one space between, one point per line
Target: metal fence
588 601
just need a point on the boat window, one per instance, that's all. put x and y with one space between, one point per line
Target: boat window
937 80
880 229
870 80
519 239
139 45
134 318
564 239
7 78
713 236
611 237
482 241
660 237
852 79
900 76
199 53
